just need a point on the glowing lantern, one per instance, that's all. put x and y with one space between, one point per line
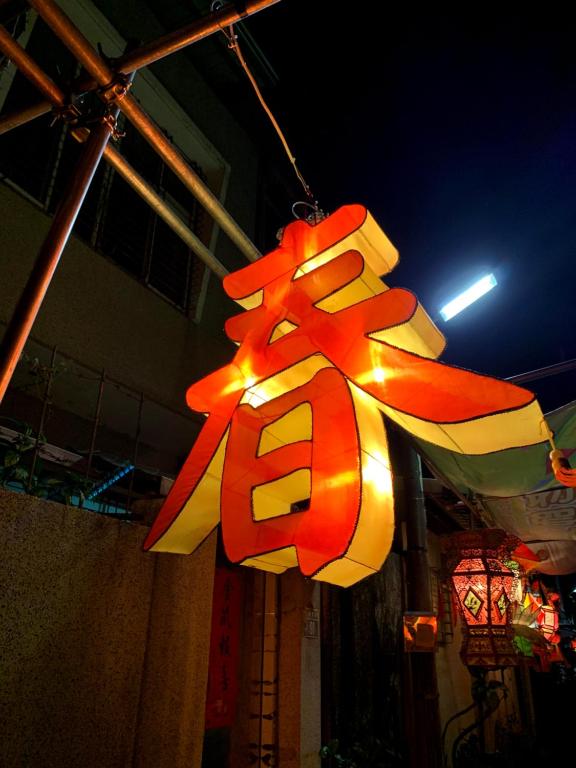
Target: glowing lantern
293 457
485 587
548 623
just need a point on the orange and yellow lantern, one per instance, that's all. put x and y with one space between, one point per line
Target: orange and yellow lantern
293 458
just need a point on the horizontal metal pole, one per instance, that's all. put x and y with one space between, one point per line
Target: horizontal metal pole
182 38
71 36
543 373
36 76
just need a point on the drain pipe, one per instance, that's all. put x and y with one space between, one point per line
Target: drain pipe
420 687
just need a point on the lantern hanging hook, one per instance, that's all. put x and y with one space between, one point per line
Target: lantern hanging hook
315 215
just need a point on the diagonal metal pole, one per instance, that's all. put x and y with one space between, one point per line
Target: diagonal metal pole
148 54
33 294
71 36
14 51
172 157
163 210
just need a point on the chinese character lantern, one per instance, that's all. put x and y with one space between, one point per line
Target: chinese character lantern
485 587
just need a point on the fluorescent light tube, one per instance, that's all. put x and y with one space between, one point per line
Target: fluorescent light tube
469 296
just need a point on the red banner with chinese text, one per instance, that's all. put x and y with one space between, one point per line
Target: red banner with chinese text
222 692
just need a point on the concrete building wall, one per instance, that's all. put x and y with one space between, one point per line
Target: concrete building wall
104 649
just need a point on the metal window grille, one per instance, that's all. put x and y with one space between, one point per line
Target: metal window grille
442 607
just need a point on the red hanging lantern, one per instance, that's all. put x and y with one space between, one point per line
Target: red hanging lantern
485 588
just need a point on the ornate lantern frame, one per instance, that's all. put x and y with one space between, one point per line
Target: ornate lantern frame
485 588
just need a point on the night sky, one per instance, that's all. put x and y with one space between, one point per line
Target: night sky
458 132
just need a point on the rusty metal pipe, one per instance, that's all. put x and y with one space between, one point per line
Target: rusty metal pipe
33 294
38 78
88 57
27 309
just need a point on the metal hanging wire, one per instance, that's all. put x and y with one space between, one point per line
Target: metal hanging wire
316 214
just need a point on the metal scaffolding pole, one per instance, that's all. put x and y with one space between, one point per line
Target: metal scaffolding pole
18 117
182 38
14 51
149 195
75 41
46 85
172 157
33 294
145 55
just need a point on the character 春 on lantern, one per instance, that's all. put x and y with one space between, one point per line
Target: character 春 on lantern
485 587
293 458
